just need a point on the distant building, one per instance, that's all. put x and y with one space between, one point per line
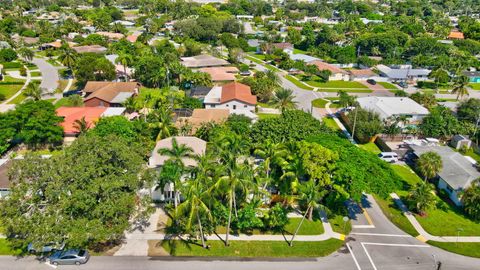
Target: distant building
5 184
109 94
201 116
361 74
111 35
90 49
403 73
390 107
457 173
456 35
203 60
474 76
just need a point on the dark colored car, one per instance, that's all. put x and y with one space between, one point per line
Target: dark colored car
49 247
403 84
71 256
371 81
72 92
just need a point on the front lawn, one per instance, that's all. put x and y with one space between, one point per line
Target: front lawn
35 74
388 85
339 226
10 79
8 90
315 81
265 105
250 248
19 99
319 103
446 222
467 249
297 83
314 227
395 215
6 249
410 178
370 147
474 86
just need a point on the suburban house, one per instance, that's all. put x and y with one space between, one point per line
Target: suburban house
361 74
157 160
201 116
199 91
91 115
457 174
90 49
109 94
234 96
338 74
111 35
391 107
403 73
221 74
474 76
302 57
456 35
5 165
203 60
283 46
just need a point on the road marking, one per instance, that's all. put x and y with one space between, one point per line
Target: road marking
367 216
363 226
342 237
368 255
353 256
421 238
393 245
382 234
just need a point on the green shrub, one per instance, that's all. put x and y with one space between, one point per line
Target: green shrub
23 71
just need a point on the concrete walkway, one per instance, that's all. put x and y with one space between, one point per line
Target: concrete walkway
424 235
136 242
338 122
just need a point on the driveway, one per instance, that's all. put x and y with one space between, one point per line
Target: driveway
49 74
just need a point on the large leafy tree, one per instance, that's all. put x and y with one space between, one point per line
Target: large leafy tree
471 200
440 123
469 110
429 164
91 67
86 195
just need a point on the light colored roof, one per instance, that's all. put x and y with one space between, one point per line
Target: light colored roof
197 145
112 92
113 111
302 57
203 60
237 91
111 35
390 106
326 66
457 170
71 114
402 73
221 73
362 72
213 96
90 49
283 45
132 38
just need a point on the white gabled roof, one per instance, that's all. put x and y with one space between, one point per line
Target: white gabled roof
389 106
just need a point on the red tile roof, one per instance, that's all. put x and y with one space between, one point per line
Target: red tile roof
237 91
456 35
70 114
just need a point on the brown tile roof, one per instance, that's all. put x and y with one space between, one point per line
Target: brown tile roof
197 145
362 72
283 45
71 114
237 91
107 91
111 35
90 49
326 66
200 116
203 60
221 73
456 35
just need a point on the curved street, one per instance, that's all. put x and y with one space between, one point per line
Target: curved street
50 75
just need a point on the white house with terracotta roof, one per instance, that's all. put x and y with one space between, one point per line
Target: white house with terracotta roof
234 96
338 74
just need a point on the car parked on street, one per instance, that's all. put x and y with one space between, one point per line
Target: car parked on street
371 81
390 157
49 247
71 256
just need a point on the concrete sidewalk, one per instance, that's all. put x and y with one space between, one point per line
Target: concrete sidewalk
424 235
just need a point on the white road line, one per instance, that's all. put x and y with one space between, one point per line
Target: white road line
368 255
394 245
353 256
382 234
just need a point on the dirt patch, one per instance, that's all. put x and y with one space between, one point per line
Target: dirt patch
155 249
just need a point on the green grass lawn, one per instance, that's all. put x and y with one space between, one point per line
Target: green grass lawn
409 177
298 83
446 99
253 248
35 74
467 249
9 90
370 147
391 211
19 99
314 227
319 103
53 62
445 222
388 85
314 81
265 105
10 79
474 86
297 51
339 226
267 115
329 122
6 249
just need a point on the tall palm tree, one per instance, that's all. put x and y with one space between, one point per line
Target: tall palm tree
195 205
429 164
460 86
470 199
26 53
310 195
161 120
81 125
272 153
283 99
130 104
125 60
67 56
33 91
176 154
423 197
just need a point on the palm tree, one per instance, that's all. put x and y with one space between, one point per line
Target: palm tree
130 104
26 53
272 153
33 91
67 56
196 194
460 86
125 60
81 125
422 196
283 99
470 199
429 164
176 154
161 120
309 195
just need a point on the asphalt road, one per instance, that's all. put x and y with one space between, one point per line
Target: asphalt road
49 74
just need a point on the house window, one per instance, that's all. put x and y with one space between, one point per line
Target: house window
212 106
245 106
227 105
234 107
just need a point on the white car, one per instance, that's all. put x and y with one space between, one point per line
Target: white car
390 157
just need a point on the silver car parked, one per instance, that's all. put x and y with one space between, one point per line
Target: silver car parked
71 256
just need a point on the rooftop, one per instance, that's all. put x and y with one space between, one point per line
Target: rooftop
326 66
402 73
90 49
390 106
237 91
197 145
221 73
203 60
113 92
